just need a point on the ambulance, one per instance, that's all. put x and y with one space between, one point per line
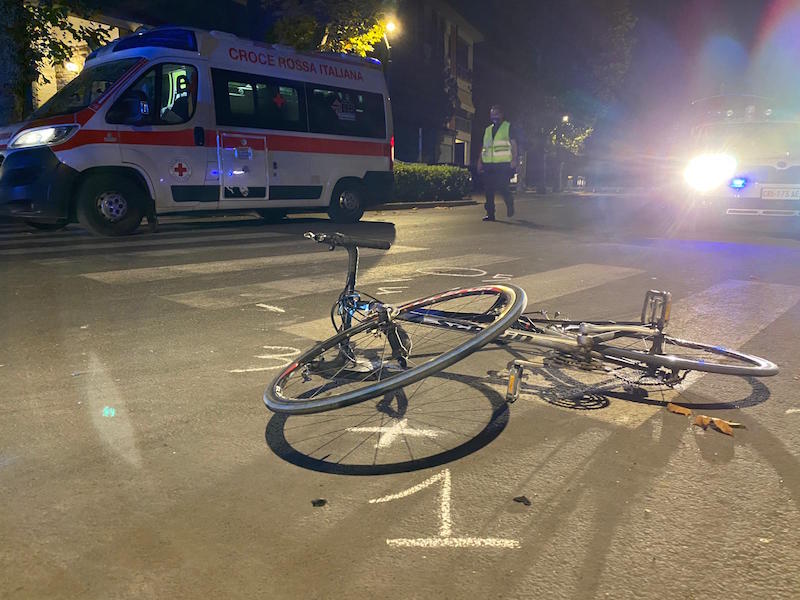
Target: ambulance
744 160
178 120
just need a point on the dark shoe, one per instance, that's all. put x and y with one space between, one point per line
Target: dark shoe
488 218
510 210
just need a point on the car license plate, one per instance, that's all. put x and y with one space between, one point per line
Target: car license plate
780 193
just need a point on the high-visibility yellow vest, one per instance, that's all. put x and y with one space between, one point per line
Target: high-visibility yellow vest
497 148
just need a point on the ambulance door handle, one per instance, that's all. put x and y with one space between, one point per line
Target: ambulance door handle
199 136
245 152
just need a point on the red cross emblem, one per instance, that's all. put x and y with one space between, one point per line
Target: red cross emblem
180 169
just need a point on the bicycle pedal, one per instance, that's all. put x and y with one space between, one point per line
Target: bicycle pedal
514 381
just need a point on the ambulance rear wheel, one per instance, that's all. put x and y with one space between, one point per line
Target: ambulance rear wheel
347 202
110 204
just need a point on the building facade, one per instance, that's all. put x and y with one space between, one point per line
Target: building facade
435 48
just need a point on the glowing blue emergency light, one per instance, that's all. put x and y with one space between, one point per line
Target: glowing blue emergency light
738 183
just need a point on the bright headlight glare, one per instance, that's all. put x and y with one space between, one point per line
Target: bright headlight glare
709 171
44 136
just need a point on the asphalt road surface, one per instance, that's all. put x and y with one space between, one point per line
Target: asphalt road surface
137 459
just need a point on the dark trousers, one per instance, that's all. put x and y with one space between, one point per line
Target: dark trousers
495 181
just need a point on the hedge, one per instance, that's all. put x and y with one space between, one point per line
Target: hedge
420 182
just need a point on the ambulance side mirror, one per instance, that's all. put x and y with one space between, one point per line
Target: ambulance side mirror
130 109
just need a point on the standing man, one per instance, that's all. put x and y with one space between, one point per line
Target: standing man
498 161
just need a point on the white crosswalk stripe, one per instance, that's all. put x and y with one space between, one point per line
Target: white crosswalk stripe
42 247
145 274
232 296
539 286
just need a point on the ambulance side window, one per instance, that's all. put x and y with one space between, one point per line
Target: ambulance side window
167 93
341 111
178 93
250 100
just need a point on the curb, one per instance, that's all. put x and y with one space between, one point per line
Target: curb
413 205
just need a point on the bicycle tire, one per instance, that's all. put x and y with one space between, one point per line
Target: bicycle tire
739 363
505 305
707 358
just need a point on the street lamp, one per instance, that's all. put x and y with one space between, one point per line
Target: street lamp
390 27
565 119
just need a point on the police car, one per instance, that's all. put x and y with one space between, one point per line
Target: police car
177 120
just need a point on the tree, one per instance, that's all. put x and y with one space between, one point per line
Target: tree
29 40
569 57
351 26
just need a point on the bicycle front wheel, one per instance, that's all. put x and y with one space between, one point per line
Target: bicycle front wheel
685 355
379 355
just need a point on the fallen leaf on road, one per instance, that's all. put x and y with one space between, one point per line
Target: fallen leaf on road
678 410
523 500
723 426
702 421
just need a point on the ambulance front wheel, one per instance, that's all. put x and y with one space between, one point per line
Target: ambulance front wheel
347 202
110 204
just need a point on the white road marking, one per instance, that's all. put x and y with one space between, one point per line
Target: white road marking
789 411
392 289
217 267
452 542
279 353
388 435
568 280
445 539
283 289
67 244
562 281
446 271
270 308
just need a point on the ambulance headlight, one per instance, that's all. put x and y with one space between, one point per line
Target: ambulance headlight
709 171
43 136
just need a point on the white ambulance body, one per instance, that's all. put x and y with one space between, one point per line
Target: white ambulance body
177 120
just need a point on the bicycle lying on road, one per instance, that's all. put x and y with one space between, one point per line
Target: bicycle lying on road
381 347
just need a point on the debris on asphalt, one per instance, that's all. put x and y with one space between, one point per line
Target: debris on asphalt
720 425
678 410
319 502
523 500
76 373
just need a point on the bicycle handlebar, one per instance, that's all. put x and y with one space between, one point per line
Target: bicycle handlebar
340 239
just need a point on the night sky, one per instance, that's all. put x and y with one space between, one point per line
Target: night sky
684 50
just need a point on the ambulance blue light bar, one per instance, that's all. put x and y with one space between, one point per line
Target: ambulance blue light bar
167 37
738 183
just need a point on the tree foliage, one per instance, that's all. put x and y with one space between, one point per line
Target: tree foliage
569 57
351 26
37 35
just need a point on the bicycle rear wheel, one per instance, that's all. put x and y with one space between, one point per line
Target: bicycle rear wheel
379 355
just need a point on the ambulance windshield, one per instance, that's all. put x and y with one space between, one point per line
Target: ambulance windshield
86 88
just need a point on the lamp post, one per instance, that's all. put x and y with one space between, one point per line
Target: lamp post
391 27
